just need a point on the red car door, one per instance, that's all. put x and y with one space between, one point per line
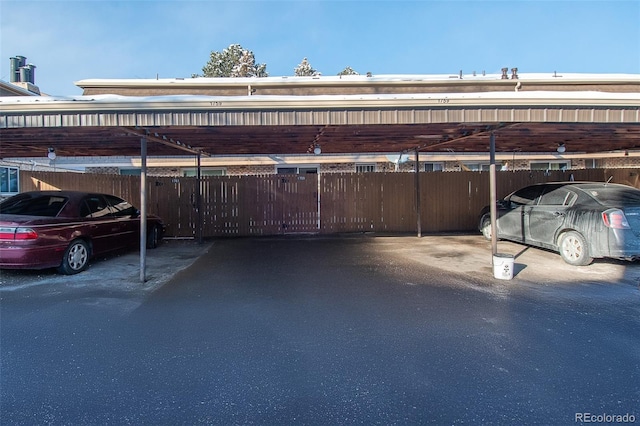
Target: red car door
128 218
105 232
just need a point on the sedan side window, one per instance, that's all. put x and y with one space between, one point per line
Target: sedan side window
121 208
527 195
94 206
558 196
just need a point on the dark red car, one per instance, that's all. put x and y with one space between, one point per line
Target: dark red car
64 229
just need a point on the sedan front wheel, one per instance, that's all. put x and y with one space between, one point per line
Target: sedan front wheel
76 258
574 249
486 227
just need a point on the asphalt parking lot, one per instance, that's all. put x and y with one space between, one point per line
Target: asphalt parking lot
357 329
460 254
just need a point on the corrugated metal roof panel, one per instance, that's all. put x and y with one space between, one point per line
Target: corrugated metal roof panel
333 117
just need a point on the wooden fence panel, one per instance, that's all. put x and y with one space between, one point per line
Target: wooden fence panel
350 202
397 202
300 203
174 200
220 206
260 205
124 186
335 203
364 202
448 199
266 207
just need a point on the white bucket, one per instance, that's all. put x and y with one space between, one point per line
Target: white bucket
503 266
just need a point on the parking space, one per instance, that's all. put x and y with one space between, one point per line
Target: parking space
117 273
471 255
466 254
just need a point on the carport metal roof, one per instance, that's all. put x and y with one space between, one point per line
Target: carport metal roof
105 125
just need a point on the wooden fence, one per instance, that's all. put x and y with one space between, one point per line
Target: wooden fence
327 203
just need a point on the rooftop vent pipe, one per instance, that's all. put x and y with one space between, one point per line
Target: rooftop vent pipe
21 72
32 73
16 63
27 74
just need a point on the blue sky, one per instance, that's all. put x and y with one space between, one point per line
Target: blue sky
75 40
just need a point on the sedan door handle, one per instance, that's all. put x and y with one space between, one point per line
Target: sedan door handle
558 214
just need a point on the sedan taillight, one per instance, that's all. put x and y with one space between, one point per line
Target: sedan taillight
17 234
7 233
615 219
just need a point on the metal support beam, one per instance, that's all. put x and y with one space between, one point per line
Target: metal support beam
143 210
418 209
155 137
199 200
490 130
492 193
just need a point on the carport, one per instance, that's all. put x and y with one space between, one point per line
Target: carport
586 122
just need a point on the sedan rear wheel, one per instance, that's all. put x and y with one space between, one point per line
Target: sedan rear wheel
76 258
574 249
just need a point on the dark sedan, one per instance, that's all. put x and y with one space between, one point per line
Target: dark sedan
65 229
581 220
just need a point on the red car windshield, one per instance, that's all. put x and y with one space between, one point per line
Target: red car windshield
42 205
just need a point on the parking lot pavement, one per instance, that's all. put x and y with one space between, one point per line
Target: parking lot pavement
467 254
321 330
114 273
471 255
